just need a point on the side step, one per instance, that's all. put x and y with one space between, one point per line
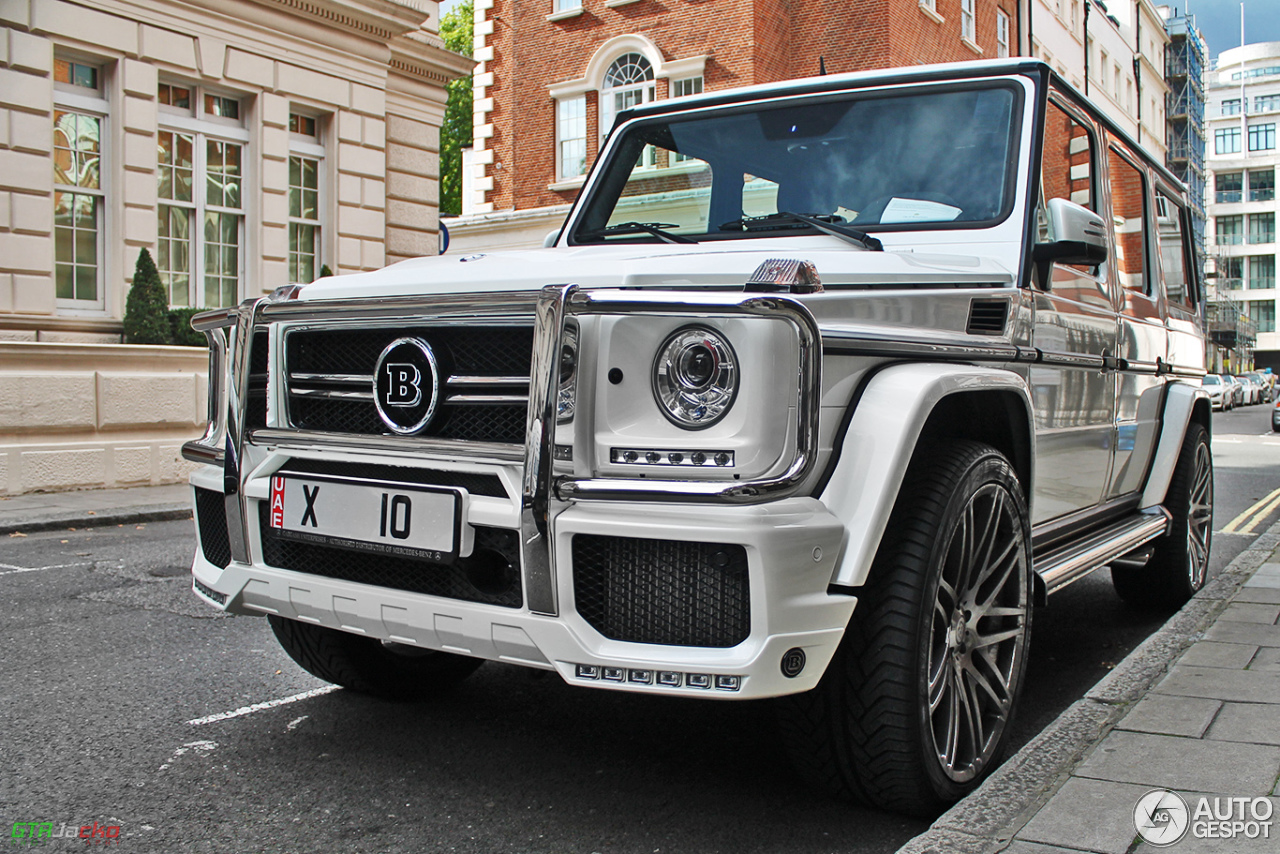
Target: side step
1075 560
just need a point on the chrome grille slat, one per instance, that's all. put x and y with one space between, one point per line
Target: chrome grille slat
485 399
332 393
462 381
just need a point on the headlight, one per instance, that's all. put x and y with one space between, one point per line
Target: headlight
695 377
566 400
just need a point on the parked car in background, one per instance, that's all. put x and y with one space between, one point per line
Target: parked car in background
1237 389
1219 392
1263 381
1251 392
1275 417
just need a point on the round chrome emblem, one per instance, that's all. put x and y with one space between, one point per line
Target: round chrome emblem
406 385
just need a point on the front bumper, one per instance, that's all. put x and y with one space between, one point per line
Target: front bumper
790 549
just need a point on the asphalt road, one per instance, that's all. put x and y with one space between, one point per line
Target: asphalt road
111 668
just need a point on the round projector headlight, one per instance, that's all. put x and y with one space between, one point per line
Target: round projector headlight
695 377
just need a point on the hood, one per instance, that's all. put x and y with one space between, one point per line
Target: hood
661 266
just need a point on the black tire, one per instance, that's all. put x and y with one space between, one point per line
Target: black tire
369 666
908 669
1180 559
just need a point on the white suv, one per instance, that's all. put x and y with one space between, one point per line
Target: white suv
821 388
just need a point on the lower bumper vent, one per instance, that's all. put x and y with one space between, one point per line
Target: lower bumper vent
211 524
490 575
662 591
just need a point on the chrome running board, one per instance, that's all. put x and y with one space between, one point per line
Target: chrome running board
1073 561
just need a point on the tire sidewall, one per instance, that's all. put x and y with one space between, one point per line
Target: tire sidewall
991 468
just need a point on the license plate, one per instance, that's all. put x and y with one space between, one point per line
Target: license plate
388 518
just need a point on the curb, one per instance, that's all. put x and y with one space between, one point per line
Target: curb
991 815
101 518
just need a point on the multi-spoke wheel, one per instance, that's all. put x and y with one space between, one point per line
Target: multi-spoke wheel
1180 559
914 709
979 633
389 670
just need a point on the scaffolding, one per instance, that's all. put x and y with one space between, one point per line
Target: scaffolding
1184 72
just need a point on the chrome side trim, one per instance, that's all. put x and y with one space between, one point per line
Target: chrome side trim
234 473
537 558
402 446
1072 562
808 376
945 351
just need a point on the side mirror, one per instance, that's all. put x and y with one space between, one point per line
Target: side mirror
551 238
1080 236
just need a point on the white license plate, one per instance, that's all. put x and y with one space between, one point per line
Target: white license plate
388 518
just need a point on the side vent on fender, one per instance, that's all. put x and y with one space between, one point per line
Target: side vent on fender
987 316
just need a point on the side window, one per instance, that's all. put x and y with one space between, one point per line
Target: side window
1066 164
1129 212
1173 251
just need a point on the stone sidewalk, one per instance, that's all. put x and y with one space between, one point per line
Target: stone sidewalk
43 511
1195 709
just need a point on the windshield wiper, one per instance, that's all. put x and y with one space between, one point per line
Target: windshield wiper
764 223
654 228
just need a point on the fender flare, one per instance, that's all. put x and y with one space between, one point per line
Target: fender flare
1179 405
882 436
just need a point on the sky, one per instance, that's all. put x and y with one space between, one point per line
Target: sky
1218 20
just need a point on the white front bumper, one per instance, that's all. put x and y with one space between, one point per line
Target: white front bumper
791 546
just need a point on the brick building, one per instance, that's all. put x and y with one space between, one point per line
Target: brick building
552 74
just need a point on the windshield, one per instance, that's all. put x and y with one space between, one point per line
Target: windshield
937 158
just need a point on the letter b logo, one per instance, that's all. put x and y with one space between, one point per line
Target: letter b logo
404 384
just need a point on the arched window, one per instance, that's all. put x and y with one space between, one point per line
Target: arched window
627 83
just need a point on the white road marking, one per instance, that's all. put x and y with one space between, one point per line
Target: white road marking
293 724
9 569
258 707
202 748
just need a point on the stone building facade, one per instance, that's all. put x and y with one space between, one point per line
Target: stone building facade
244 143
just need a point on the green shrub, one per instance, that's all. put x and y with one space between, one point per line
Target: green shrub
146 311
324 271
181 332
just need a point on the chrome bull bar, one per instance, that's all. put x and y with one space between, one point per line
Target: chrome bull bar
544 493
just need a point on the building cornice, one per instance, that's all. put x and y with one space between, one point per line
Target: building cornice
418 56
378 19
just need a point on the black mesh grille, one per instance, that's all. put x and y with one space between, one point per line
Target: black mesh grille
255 412
211 521
476 484
662 591
486 351
478 578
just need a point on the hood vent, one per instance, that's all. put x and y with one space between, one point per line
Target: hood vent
987 316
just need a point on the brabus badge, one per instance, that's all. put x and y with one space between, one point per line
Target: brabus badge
406 385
